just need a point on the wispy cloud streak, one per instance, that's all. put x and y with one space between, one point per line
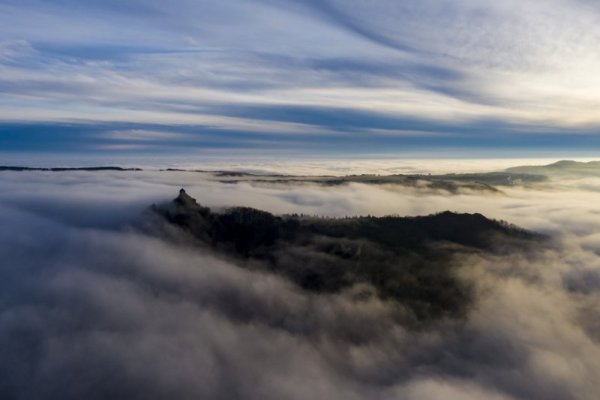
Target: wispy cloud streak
452 63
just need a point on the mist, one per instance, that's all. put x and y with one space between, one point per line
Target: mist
90 307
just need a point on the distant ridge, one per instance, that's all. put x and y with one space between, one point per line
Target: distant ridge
563 168
61 169
452 182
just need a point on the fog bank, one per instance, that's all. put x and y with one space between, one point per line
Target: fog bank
92 309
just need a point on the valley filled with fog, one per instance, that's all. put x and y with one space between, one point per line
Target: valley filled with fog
93 306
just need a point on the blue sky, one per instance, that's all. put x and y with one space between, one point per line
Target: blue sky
306 76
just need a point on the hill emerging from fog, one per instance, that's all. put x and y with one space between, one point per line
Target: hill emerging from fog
410 260
560 169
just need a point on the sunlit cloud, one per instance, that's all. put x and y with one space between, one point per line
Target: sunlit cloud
91 296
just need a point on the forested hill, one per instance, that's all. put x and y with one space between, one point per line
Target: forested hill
411 260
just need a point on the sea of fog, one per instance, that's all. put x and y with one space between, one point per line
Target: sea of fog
90 308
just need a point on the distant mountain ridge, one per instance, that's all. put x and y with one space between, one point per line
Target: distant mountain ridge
452 183
490 182
563 168
63 169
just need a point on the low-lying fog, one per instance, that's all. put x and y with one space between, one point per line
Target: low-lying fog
89 308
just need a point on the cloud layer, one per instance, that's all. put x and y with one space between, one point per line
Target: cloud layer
91 309
276 73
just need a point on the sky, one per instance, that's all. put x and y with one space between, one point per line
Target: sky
304 77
